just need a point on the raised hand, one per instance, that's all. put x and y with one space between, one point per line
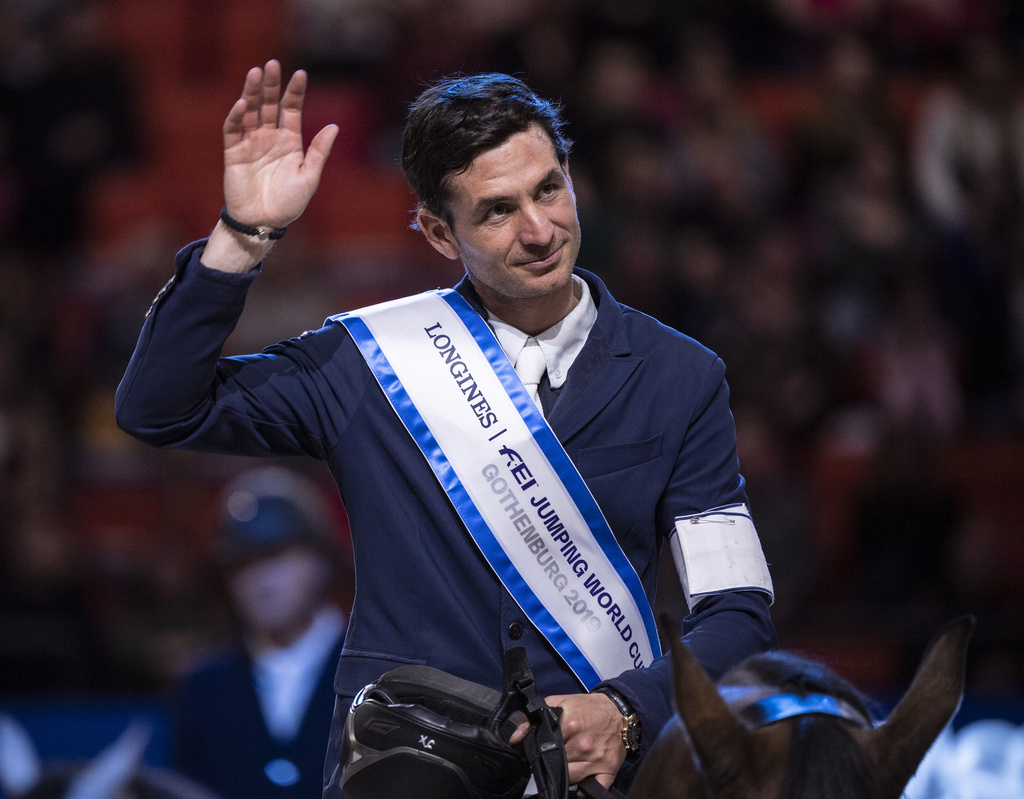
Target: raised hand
268 179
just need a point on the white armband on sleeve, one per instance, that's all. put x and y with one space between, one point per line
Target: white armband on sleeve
718 551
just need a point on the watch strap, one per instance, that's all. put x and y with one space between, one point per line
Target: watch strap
630 721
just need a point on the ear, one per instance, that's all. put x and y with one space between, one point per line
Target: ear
438 232
113 768
898 745
724 747
20 767
711 725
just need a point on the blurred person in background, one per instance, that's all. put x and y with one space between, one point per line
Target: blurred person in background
69 115
251 719
49 634
968 162
727 172
850 107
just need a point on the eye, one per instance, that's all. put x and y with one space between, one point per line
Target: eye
551 190
497 211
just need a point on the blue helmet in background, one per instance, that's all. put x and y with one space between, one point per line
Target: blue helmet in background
269 509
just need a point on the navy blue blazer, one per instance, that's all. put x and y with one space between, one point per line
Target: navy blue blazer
221 738
644 415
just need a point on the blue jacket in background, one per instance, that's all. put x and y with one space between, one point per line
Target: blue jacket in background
222 741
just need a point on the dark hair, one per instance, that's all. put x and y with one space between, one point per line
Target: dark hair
457 118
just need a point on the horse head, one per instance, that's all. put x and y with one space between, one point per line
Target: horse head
778 725
117 772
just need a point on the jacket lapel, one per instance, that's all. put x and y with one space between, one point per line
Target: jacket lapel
601 369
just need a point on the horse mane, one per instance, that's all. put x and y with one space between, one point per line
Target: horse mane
824 758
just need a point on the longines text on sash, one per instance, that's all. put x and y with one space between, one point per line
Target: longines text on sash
463 379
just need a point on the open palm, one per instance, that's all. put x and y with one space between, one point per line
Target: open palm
268 179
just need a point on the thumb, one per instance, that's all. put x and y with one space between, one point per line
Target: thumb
519 733
320 148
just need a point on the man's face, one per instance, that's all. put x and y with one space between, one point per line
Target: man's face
513 225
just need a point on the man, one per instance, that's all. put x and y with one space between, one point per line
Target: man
251 718
636 410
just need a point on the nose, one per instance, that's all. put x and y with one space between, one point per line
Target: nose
535 227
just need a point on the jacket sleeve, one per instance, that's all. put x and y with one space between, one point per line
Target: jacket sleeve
723 628
179 392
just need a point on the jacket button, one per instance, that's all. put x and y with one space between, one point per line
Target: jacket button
515 631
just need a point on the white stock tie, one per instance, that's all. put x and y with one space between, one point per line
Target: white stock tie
530 367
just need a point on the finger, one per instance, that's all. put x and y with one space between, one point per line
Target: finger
566 717
292 101
520 732
582 769
252 92
234 126
319 149
271 94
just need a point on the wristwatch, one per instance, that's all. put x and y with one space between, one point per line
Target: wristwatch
631 731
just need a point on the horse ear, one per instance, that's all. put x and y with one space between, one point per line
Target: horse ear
20 767
113 768
719 740
901 742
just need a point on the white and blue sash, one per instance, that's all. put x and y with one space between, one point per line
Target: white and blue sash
510 480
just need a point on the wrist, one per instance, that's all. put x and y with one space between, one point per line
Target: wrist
632 731
228 250
261 233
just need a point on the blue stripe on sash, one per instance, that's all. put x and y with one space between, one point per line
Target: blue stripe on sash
452 485
555 453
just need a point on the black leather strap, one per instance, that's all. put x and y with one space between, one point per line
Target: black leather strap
617 698
543 744
590 788
262 233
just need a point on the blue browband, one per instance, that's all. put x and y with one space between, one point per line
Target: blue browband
783 706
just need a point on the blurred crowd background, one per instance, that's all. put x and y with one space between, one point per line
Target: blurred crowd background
828 194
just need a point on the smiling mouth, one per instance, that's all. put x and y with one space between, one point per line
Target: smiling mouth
544 261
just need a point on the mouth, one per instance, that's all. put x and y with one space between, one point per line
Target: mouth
540 263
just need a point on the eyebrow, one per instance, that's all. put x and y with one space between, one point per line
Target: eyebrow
555 173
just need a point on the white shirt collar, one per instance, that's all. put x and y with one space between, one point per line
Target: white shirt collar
286 678
560 343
